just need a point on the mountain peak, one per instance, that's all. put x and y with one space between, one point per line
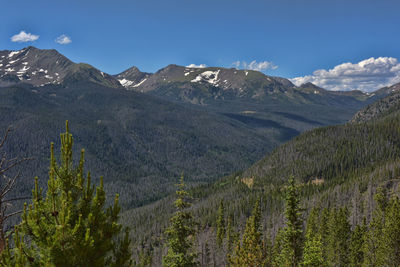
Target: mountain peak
39 67
131 77
310 85
382 107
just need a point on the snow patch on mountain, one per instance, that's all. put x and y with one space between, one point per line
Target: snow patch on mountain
125 82
13 53
137 85
210 77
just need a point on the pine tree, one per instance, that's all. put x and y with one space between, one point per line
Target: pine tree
390 249
312 255
293 232
356 245
231 236
221 224
250 252
339 238
180 233
324 231
69 226
312 226
374 237
313 248
277 256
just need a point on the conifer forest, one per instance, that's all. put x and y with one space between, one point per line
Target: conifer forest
204 133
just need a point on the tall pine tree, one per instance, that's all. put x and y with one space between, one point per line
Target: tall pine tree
374 242
312 255
293 232
69 225
390 249
356 245
313 248
339 238
250 252
180 234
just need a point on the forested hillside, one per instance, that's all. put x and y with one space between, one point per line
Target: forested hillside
334 167
142 142
139 143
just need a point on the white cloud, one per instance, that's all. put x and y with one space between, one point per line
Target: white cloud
63 39
254 65
367 75
236 64
24 37
201 66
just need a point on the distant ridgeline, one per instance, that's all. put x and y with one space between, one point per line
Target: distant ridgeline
349 174
142 130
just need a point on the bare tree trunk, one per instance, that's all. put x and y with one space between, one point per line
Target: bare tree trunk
6 185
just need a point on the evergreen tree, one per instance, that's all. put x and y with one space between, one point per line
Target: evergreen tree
221 224
180 233
324 231
356 245
69 226
250 252
374 237
277 256
293 232
390 249
312 226
339 238
231 236
312 255
313 248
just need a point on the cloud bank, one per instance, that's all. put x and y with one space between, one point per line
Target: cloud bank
63 39
24 37
201 66
367 75
254 65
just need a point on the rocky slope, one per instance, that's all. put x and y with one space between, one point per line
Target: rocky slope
380 108
39 67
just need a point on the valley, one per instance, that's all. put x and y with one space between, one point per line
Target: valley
143 137
142 131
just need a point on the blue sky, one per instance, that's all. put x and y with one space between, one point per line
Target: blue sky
298 37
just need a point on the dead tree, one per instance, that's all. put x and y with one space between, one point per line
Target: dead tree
7 183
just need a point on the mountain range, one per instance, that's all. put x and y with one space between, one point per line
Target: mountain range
142 130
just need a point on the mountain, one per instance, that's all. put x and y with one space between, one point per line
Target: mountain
150 138
380 108
143 136
266 103
200 84
39 67
142 142
333 166
204 85
139 143
132 77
